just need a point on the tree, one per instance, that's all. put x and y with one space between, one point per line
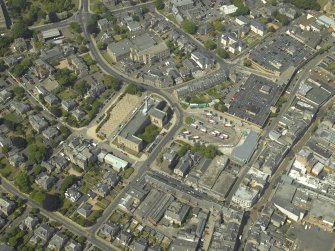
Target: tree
183 150
110 17
75 27
81 86
38 196
36 152
133 89
101 45
188 120
218 25
4 44
222 53
2 65
21 68
53 18
136 18
189 27
11 125
145 10
210 44
52 202
92 27
242 9
19 91
112 82
149 134
205 151
22 181
220 107
67 182
99 8
65 77
282 19
55 110
18 142
247 62
5 149
37 169
64 131
159 4
20 29
83 49
307 4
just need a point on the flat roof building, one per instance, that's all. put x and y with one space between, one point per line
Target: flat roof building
51 34
117 163
142 48
245 196
244 152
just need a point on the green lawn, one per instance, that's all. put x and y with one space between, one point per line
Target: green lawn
216 91
13 117
76 4
108 58
128 172
93 4
200 99
8 171
117 37
68 93
252 39
88 59
322 3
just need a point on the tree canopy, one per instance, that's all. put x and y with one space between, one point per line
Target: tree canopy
21 68
149 134
222 53
218 25
19 91
36 152
241 8
75 27
159 4
20 29
112 82
220 107
67 182
205 151
52 202
188 120
18 142
65 77
55 110
210 44
53 18
92 26
189 27
22 181
307 4
282 19
133 89
81 87
4 45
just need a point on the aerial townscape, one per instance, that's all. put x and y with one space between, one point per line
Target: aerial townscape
180 125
